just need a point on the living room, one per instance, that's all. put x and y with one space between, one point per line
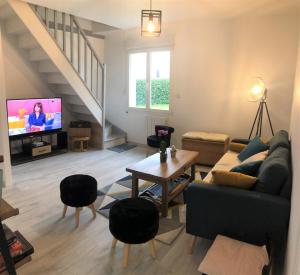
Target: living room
216 52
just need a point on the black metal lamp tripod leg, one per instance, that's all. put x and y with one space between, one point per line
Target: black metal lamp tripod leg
269 118
259 119
253 125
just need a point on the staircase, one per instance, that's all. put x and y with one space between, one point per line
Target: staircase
66 61
113 136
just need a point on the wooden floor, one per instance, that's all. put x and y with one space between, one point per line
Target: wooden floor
62 249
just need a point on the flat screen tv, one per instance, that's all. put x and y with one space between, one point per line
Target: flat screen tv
33 116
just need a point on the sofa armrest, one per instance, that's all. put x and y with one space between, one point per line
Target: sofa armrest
242 214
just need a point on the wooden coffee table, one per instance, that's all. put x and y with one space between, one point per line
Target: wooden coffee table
150 169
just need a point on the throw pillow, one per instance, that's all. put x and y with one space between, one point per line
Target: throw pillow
249 168
229 256
236 147
261 156
233 179
255 146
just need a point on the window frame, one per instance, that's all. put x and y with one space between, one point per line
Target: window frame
148 77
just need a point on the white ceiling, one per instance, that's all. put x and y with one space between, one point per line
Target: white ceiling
125 14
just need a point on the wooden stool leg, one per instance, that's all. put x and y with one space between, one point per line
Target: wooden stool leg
81 146
64 211
194 240
92 207
114 242
126 254
77 214
152 248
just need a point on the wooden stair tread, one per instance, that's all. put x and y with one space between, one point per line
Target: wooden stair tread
114 137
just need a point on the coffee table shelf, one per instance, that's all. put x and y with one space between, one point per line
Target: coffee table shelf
178 189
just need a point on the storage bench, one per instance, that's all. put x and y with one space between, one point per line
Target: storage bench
211 146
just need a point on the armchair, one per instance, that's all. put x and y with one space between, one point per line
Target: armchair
154 140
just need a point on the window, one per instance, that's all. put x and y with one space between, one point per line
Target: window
149 80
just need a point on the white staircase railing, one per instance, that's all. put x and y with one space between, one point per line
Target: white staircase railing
73 42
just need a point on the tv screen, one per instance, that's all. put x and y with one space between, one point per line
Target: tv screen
34 115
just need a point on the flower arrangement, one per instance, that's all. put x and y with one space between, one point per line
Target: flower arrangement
162 134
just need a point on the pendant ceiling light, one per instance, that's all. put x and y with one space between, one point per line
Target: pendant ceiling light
151 22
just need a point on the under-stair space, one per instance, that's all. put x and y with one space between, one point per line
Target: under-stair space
66 61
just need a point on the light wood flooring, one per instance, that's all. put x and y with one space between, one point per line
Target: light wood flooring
62 249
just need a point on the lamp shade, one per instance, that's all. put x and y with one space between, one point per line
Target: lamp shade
151 22
257 90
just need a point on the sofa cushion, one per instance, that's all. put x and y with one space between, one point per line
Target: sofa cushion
249 168
280 139
255 146
233 179
274 172
257 157
226 163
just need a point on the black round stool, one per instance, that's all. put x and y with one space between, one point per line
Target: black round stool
78 191
134 221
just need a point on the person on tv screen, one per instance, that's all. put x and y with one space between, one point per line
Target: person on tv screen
37 119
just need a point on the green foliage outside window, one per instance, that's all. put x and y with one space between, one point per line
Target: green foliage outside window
160 93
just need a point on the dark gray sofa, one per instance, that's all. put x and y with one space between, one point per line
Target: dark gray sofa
259 216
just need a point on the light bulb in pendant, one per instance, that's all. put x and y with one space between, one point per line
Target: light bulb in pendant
150 26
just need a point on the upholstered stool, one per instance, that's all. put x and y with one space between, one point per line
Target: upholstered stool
78 191
134 221
211 146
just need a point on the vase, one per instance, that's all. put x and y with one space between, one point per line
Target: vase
163 157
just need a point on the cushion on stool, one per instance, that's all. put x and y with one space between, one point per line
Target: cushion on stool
78 190
134 220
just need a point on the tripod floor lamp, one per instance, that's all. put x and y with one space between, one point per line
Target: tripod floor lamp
258 92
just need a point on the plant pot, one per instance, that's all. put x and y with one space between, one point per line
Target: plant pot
163 157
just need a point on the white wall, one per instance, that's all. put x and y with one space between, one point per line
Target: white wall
4 144
98 46
213 60
293 251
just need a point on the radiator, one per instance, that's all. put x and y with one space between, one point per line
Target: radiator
152 121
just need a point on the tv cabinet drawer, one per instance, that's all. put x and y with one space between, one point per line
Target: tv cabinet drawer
41 150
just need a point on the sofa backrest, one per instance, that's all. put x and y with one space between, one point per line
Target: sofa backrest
280 139
274 175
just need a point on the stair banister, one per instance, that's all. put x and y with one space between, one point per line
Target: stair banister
75 27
